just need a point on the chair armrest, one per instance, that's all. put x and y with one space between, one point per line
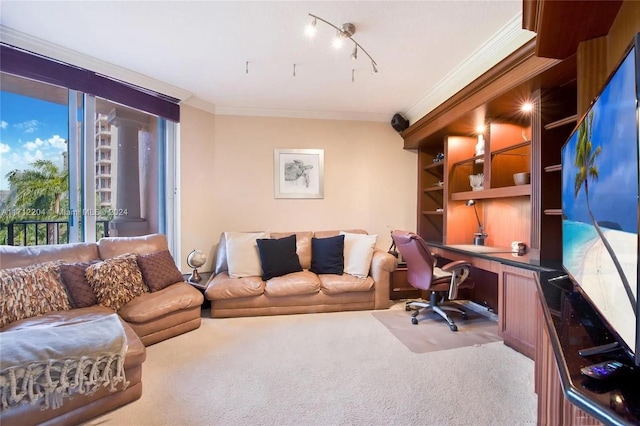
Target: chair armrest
455 265
382 264
459 270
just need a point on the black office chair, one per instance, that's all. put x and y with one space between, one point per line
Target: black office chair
423 274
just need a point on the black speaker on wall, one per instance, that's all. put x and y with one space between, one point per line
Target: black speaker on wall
399 123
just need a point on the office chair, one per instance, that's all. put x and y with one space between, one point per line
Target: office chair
423 274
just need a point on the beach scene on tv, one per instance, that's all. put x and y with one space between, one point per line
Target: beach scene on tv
600 202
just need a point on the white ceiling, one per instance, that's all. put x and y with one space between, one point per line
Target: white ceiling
197 50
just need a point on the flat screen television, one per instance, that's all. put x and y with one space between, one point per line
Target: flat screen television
600 203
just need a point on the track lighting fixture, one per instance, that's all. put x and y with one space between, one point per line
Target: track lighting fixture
346 31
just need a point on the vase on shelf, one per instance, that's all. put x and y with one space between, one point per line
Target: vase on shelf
477 182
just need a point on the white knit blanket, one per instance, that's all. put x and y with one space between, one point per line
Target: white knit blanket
48 363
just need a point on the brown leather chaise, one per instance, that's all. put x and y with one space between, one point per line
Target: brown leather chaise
147 319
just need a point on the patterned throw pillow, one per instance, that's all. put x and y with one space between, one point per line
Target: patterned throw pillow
159 270
116 281
31 291
80 293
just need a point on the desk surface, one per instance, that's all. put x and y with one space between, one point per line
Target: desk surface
500 254
574 325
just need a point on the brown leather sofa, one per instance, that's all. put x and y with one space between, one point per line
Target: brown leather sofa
148 319
249 296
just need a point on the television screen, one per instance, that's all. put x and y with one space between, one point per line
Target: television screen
600 203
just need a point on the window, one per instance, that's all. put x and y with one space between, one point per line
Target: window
113 154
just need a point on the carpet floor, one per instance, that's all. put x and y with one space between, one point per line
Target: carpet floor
342 368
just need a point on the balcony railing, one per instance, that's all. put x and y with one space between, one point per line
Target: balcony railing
35 232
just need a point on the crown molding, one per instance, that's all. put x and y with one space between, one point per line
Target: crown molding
42 47
508 39
321 115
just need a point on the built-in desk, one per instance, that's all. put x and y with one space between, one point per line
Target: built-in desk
512 277
565 396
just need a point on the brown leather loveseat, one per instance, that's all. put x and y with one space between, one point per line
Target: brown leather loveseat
147 319
303 291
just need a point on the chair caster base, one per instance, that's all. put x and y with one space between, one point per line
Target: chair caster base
464 316
453 327
414 320
407 308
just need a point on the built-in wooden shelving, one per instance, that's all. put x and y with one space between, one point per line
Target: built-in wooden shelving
433 212
554 168
553 212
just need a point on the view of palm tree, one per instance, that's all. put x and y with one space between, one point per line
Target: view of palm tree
585 161
37 194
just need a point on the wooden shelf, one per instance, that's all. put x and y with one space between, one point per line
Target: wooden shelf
504 192
553 212
468 160
433 188
559 123
554 168
510 148
434 165
433 213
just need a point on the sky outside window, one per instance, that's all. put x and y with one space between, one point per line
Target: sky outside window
30 129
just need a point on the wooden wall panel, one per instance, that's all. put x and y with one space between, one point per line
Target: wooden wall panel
626 24
592 71
507 220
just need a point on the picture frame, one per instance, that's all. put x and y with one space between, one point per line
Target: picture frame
298 173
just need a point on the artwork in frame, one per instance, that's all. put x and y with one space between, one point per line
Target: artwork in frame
298 173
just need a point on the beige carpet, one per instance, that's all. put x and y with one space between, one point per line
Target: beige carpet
341 368
432 333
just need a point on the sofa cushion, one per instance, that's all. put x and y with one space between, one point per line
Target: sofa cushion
297 283
334 284
303 245
159 270
278 256
243 259
116 281
327 255
20 256
151 306
224 287
109 247
358 251
80 292
31 291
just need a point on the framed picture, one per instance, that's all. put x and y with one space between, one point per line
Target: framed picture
298 173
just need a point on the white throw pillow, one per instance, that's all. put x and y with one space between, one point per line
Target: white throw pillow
243 258
358 252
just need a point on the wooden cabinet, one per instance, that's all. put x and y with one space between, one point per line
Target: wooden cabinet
400 287
517 304
553 407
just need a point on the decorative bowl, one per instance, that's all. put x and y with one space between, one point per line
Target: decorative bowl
523 178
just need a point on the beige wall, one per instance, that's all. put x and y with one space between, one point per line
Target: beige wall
370 180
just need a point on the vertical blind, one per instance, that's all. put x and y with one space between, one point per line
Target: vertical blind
37 67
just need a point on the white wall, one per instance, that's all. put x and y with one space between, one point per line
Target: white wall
227 178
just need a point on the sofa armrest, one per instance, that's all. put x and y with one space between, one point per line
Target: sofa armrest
382 264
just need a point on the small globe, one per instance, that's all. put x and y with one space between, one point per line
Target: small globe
196 259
